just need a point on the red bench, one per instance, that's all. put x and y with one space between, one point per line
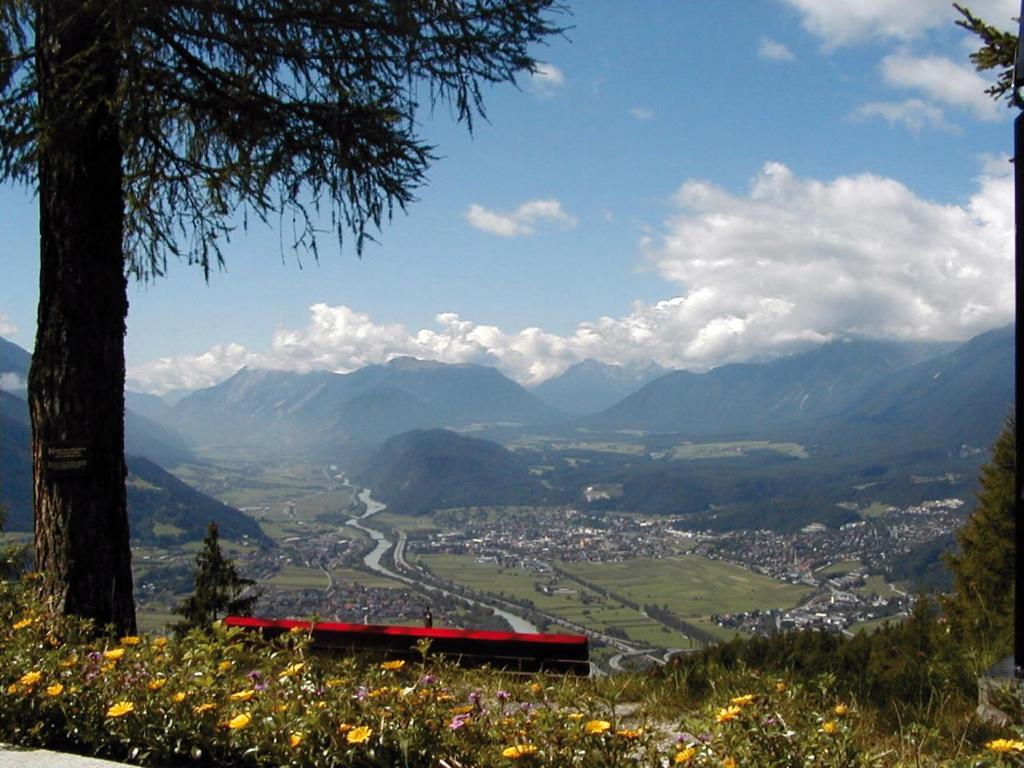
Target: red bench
516 651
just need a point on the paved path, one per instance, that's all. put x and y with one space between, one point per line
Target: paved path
26 757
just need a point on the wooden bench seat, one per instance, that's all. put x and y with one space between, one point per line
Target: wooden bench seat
515 651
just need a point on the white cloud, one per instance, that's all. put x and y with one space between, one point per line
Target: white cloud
642 113
522 221
913 114
193 371
7 328
546 79
842 22
773 50
791 263
798 259
944 80
12 382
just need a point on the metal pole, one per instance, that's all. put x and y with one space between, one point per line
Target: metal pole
1018 411
1018 612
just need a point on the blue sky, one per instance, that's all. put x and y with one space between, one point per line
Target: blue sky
690 182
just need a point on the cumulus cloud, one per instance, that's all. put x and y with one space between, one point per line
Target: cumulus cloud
842 22
944 80
12 382
7 328
642 113
546 79
522 221
799 258
913 114
789 264
193 371
773 50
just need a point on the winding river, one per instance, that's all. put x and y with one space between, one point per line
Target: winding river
382 544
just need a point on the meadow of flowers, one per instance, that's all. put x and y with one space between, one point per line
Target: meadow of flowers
227 698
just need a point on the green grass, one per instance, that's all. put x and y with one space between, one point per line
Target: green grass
838 569
875 509
163 529
582 606
407 523
875 585
297 577
349 576
691 585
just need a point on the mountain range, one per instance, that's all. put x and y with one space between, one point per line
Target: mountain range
323 411
865 410
591 386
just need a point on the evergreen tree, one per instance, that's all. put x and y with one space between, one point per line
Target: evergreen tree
218 590
980 610
152 129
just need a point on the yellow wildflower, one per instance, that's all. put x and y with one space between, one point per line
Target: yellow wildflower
742 701
157 683
113 654
296 630
727 714
55 690
108 666
597 726
120 709
575 715
518 750
31 678
239 721
204 707
336 682
841 709
293 669
27 622
685 755
224 666
70 661
12 688
393 665
178 697
359 735
729 763
345 728
780 687
536 689
830 727
630 733
1005 745
294 740
130 640
462 710
159 642
242 695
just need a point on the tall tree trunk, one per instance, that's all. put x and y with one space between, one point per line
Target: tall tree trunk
76 383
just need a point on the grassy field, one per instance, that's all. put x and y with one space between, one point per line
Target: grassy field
838 569
407 523
575 603
296 577
690 585
349 576
693 451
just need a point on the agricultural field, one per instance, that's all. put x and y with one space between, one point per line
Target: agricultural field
730 450
841 568
568 600
691 585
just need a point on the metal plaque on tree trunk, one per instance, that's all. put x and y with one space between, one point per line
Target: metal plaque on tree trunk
68 460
